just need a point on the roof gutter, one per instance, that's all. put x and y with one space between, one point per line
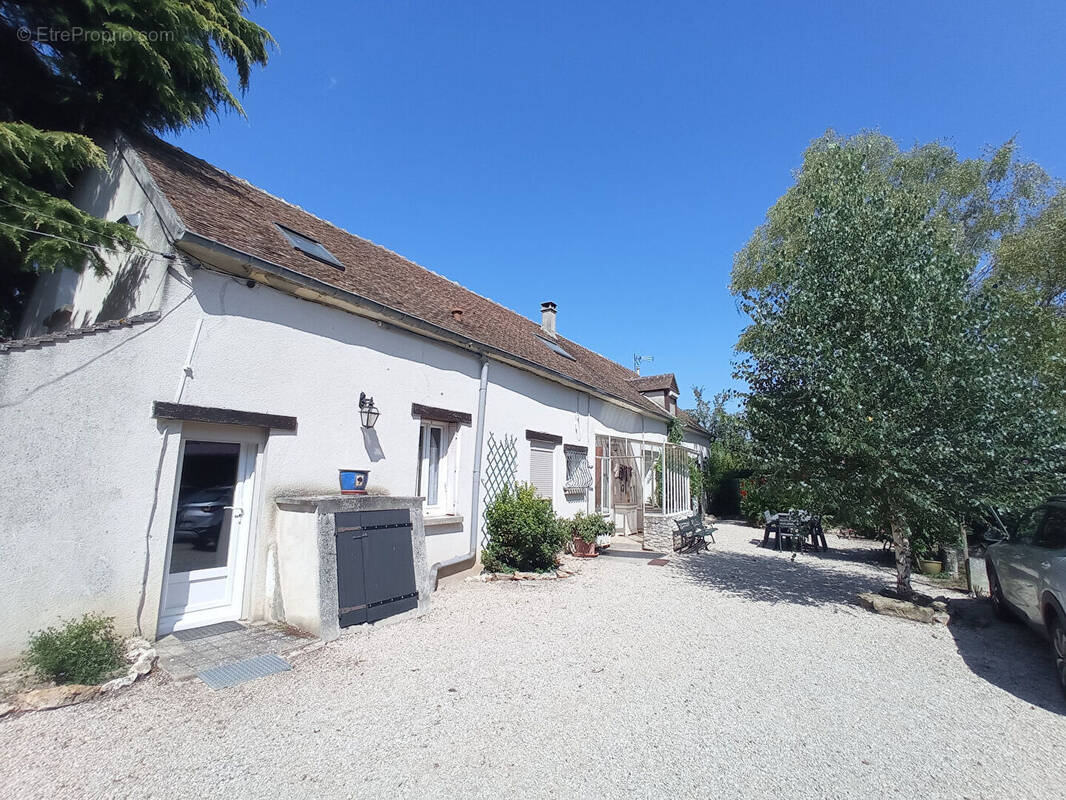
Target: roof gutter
192 243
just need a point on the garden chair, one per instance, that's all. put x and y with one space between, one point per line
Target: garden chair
813 528
779 525
787 526
768 527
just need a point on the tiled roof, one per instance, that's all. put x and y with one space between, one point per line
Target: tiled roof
228 210
655 383
77 333
690 421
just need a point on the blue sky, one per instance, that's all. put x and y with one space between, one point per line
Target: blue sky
613 156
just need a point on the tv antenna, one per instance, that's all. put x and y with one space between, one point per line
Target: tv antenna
638 359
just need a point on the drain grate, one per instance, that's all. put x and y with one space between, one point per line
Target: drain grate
192 634
659 562
242 671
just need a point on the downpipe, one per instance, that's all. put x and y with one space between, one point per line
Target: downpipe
475 492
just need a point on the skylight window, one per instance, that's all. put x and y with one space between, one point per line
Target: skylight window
305 244
555 348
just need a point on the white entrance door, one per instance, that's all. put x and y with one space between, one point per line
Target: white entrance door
206 559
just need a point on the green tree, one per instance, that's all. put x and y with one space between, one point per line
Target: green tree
1032 259
71 73
1029 272
726 427
883 382
975 202
730 448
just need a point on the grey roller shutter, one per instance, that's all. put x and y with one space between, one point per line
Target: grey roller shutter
542 468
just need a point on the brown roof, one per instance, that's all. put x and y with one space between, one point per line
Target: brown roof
690 421
655 383
228 210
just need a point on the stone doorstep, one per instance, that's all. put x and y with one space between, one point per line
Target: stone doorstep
182 660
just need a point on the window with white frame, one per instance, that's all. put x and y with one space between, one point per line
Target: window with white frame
436 467
542 467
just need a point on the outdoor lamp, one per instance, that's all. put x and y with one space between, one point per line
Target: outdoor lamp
368 412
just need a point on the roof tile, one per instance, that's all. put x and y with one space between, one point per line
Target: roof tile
231 211
654 383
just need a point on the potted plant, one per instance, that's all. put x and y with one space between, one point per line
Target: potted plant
926 548
585 530
930 566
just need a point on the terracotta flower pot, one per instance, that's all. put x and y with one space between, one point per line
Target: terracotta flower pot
583 548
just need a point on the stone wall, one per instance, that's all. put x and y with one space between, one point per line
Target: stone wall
659 530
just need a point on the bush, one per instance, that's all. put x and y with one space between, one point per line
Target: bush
524 534
586 527
930 532
78 651
764 494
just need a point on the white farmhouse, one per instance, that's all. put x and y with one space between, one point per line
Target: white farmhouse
159 425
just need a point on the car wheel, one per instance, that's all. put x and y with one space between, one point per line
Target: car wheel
995 592
1057 632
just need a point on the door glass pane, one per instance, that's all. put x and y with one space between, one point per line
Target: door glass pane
202 522
433 470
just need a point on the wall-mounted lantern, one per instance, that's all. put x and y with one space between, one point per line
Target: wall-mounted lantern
368 412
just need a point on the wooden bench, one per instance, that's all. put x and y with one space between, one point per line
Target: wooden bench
691 535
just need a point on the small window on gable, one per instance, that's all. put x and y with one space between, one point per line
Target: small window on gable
305 244
555 348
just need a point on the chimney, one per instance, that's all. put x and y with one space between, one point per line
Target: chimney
547 317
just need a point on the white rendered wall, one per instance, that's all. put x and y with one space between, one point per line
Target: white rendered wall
135 282
80 454
298 564
90 476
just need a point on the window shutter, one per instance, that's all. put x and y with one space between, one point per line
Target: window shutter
541 468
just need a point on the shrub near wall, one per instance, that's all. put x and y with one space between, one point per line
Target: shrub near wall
84 650
524 534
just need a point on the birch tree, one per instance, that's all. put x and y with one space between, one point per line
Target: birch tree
882 379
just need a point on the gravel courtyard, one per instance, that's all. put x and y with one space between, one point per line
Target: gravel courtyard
736 673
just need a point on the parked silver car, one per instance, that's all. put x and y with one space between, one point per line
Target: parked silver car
200 516
1026 564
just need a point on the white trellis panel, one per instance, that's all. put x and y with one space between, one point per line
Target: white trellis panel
500 470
